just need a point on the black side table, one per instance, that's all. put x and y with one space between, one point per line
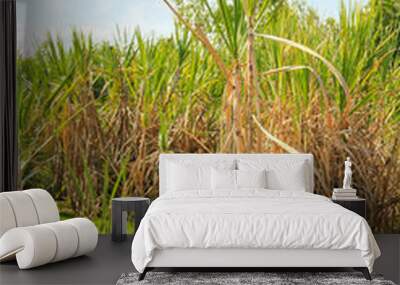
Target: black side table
120 208
357 205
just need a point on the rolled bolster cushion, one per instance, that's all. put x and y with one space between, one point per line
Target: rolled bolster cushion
67 240
87 233
40 244
7 218
33 246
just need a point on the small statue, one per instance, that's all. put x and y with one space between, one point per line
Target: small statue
347 174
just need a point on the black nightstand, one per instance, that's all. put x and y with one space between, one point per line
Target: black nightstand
357 205
120 208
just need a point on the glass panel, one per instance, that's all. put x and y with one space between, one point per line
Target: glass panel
105 86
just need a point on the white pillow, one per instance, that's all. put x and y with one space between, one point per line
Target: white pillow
215 163
223 179
282 174
251 178
235 179
182 177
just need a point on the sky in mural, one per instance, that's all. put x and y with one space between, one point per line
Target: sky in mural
101 17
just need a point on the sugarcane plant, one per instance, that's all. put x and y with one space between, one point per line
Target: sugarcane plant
236 25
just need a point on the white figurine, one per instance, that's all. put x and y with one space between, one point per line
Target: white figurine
347 174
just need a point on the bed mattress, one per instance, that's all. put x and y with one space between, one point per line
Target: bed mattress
250 219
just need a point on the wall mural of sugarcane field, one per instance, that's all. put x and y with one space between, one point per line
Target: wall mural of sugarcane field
236 76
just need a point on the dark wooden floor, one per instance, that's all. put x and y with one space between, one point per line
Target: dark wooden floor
103 266
110 260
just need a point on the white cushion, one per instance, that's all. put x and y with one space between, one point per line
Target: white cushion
236 179
23 208
87 233
67 240
46 207
229 161
282 174
216 163
7 220
168 181
190 177
223 179
26 208
40 244
251 178
32 246
31 233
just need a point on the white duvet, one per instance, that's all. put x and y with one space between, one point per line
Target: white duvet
250 218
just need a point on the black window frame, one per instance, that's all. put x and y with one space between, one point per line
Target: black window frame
8 100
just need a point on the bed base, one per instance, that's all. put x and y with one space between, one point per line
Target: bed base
363 270
250 259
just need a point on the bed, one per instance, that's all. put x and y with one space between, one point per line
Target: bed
246 211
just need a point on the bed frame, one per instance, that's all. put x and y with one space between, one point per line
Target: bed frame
242 259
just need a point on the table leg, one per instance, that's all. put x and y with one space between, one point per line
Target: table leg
117 224
124 223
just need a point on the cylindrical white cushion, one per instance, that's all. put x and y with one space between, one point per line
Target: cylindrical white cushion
23 208
87 233
41 244
67 240
46 207
26 208
17 209
33 246
7 219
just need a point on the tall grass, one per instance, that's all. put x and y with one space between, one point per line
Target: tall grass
236 76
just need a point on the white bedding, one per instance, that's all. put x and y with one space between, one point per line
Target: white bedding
250 218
